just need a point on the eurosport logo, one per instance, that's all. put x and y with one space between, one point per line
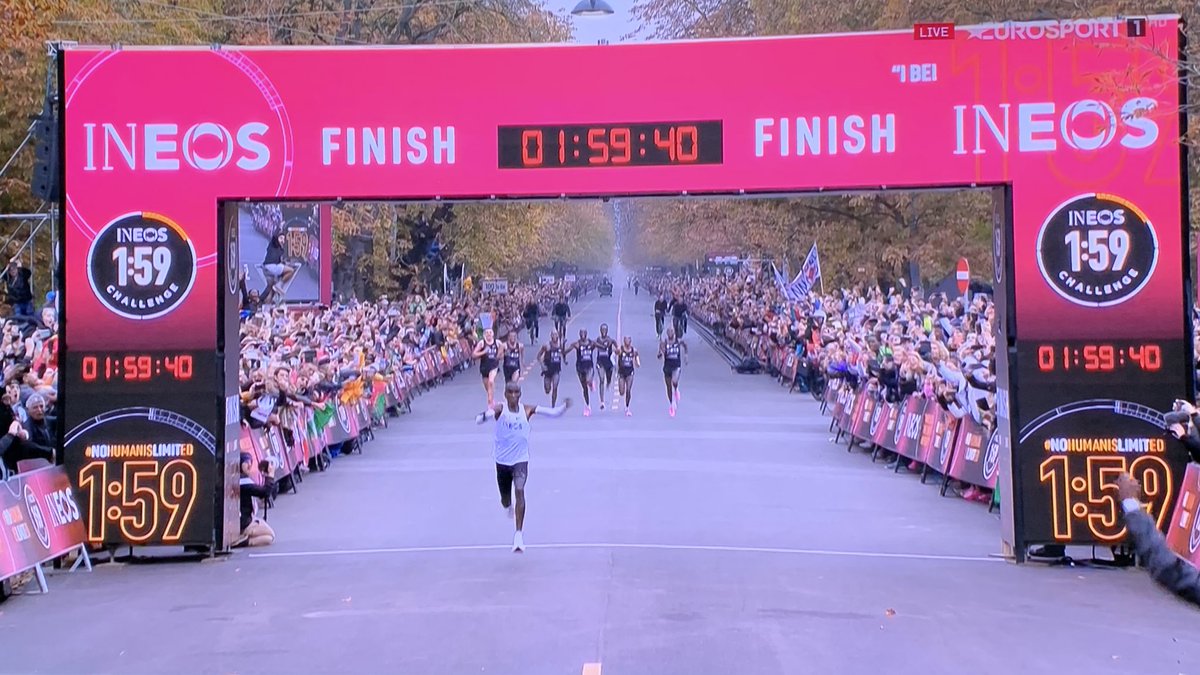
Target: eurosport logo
35 516
1087 125
1048 30
991 459
203 146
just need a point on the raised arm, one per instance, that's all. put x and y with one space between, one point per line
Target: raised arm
556 411
492 413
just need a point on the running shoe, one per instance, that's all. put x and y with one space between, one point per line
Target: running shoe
587 411
601 405
671 410
629 412
518 543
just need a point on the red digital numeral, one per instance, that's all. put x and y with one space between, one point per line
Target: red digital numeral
687 144
531 147
667 143
179 366
1046 358
562 147
1108 357
1148 357
596 142
89 368
619 139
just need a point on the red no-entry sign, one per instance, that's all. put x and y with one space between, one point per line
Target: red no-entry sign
963 274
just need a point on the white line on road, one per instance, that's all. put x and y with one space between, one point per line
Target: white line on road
657 547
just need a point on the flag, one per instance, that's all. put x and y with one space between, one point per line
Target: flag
780 281
809 274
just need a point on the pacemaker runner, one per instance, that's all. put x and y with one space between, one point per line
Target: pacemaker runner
488 353
585 367
627 360
605 346
551 357
673 352
511 450
513 355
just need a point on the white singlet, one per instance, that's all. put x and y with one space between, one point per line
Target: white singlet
512 437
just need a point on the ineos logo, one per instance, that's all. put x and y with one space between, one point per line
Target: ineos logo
205 146
35 515
875 417
232 262
1086 125
991 459
947 445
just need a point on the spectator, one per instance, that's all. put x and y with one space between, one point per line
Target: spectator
1167 569
18 284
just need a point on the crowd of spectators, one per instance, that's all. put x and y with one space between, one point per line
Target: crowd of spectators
29 349
894 344
308 356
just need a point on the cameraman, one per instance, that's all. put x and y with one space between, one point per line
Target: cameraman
255 530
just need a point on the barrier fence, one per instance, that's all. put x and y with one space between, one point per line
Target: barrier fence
1183 531
318 433
921 430
918 429
40 519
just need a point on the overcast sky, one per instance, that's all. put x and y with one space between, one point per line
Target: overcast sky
590 29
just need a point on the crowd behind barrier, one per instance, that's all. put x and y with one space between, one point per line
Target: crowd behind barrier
924 366
316 381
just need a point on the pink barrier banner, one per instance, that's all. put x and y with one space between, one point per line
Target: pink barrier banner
976 455
908 427
39 519
1183 530
883 425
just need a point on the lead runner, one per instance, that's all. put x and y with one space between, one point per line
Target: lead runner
511 450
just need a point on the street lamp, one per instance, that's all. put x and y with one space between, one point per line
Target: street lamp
592 8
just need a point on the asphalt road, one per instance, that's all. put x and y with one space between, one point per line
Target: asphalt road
731 539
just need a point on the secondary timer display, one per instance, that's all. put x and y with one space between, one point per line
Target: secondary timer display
558 146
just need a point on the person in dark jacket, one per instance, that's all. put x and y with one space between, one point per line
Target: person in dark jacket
1167 569
15 444
18 284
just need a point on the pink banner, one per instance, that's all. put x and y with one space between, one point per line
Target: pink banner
1183 530
1067 113
39 519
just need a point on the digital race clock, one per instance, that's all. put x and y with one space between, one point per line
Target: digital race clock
558 146
1134 359
143 367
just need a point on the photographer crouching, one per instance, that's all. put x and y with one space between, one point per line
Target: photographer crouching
255 530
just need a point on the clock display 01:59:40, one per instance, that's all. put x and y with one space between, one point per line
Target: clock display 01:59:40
1099 357
137 367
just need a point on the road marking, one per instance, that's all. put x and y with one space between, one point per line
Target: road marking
591 669
654 547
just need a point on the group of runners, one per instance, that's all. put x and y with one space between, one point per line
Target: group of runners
596 362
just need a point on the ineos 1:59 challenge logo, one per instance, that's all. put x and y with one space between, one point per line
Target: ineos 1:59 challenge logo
141 266
1097 250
